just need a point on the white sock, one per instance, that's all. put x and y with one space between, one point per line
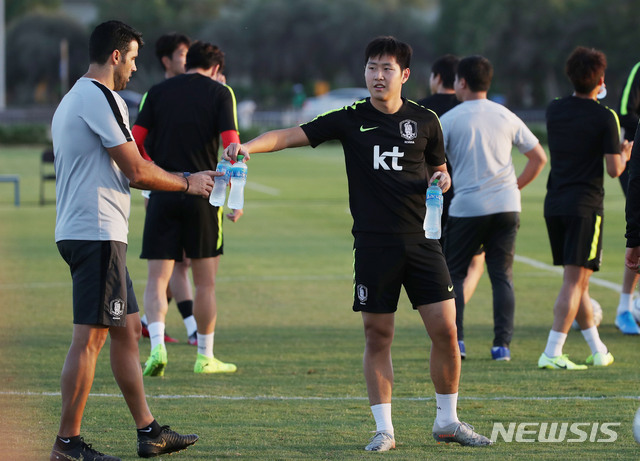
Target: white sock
143 319
625 303
382 415
190 324
205 345
592 338
555 343
447 411
156 333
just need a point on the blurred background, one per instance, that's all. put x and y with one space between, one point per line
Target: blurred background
281 53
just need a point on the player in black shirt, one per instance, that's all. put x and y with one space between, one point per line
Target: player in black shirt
629 116
581 132
391 146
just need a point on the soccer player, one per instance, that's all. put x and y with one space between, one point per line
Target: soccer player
629 117
391 147
479 136
632 209
171 51
96 162
185 116
581 132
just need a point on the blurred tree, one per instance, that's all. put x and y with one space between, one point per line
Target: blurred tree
16 8
33 55
272 45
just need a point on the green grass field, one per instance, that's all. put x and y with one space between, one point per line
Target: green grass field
284 296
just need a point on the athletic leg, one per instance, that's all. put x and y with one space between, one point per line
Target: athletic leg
125 365
77 375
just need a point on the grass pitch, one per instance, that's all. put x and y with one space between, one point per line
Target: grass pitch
284 294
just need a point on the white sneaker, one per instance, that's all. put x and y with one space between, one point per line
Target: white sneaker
382 441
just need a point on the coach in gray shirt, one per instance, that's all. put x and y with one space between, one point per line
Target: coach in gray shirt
96 160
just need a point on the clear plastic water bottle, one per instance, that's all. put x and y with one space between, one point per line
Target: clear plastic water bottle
238 178
432 228
219 192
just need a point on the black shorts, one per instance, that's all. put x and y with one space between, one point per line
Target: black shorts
177 222
380 272
102 289
576 240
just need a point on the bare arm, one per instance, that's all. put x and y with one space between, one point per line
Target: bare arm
616 163
146 175
270 141
537 159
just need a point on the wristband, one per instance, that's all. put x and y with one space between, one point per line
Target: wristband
186 176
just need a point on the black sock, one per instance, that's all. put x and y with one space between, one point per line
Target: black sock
66 443
186 308
152 430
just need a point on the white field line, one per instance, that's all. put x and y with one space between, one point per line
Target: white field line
558 270
335 398
262 188
289 278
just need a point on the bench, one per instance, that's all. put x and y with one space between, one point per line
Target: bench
15 179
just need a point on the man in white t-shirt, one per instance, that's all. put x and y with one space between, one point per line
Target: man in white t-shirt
96 161
479 135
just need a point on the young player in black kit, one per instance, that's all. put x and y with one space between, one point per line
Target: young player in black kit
581 133
392 146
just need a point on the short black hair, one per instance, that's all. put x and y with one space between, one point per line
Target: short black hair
168 43
446 67
388 45
584 68
110 36
203 55
477 72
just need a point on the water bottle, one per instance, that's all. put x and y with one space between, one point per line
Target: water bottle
432 228
219 192
238 178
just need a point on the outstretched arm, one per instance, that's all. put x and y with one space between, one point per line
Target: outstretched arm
270 141
146 175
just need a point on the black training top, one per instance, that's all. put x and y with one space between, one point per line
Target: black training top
385 158
440 102
633 196
580 132
185 116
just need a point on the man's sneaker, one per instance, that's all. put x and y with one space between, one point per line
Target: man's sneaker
205 364
560 362
382 441
193 339
157 362
600 359
500 353
627 324
167 441
463 351
145 333
461 433
82 451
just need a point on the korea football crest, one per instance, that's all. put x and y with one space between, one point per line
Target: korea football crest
409 130
116 308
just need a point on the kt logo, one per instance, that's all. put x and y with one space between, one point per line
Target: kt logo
380 159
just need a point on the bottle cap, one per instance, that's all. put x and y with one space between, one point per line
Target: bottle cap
240 157
435 182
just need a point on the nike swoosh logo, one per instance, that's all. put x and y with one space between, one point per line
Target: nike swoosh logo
450 288
146 430
65 441
363 129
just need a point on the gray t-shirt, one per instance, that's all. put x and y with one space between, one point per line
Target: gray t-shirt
92 194
478 138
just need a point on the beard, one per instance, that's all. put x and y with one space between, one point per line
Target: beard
119 82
